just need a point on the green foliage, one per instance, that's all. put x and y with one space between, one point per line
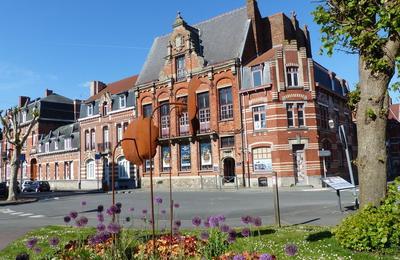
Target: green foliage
354 98
373 228
216 244
371 113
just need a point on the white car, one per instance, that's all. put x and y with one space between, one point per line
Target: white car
27 186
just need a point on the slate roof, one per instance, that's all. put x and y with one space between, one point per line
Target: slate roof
55 98
222 38
116 87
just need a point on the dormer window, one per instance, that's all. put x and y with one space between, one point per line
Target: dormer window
67 143
180 68
256 72
40 147
23 116
56 145
90 110
47 147
292 73
122 101
105 109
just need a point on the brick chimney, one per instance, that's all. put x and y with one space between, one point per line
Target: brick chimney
48 92
96 87
22 101
253 13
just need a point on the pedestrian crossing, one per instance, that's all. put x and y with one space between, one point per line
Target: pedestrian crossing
20 213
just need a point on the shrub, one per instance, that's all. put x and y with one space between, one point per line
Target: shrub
373 228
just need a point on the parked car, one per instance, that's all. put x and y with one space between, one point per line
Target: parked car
41 186
18 187
28 186
3 189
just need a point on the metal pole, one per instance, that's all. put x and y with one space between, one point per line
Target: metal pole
276 201
339 200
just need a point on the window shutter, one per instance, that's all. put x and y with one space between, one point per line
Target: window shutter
246 78
266 74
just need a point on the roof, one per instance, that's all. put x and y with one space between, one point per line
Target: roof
222 38
65 130
394 112
268 55
55 98
117 87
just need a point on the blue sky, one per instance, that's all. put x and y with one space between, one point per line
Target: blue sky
62 45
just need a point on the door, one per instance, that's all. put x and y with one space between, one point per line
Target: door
229 170
33 169
299 164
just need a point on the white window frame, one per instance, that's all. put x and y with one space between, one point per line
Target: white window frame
92 139
23 116
67 143
258 124
119 132
46 147
295 114
254 70
55 144
292 73
90 170
90 110
255 157
122 101
123 168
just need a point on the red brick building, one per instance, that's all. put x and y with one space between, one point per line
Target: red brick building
393 133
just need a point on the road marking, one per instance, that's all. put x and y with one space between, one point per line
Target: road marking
36 216
7 211
16 213
26 214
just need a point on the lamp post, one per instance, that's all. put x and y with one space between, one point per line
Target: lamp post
343 140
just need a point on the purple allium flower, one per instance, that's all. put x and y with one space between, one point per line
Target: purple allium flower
158 200
103 236
176 205
109 212
224 228
204 235
221 218
196 221
100 217
132 209
266 257
231 236
114 228
67 219
31 243
119 205
114 209
100 208
163 211
83 203
175 230
206 223
37 250
177 223
214 222
54 241
127 219
245 232
239 257
257 221
81 222
118 211
144 211
101 227
73 214
291 249
143 218
246 219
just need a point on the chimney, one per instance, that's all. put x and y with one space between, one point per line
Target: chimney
48 92
23 100
253 13
96 87
77 104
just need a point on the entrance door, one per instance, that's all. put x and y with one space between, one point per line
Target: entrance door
33 169
229 170
299 164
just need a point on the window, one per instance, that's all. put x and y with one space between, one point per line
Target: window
67 143
56 171
106 140
203 103
105 109
147 110
292 76
227 142
180 68
123 168
87 140
23 116
184 118
93 139
33 138
24 170
295 111
164 118
90 171
225 103
300 115
324 116
147 165
122 101
184 154
47 171
46 147
90 110
205 155
259 118
337 120
40 147
40 172
290 115
256 72
119 132
165 158
262 160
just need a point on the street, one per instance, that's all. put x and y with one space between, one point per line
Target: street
314 207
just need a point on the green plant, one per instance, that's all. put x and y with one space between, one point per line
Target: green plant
216 245
373 228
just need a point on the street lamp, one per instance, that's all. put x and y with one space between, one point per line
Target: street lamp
343 140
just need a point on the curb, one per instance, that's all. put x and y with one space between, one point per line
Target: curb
18 202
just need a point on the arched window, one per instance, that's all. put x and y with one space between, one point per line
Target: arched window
123 168
90 169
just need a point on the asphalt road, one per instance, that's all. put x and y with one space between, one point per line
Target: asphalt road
313 207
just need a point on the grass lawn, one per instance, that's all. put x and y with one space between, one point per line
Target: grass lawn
312 242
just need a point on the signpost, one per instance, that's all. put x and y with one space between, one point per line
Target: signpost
338 184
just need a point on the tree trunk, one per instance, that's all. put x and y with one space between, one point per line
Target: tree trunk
371 133
15 163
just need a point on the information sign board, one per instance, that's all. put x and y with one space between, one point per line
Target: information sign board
338 183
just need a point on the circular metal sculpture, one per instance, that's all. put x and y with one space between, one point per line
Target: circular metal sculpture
139 129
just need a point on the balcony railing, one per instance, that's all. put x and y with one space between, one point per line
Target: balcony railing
104 147
183 130
205 127
164 132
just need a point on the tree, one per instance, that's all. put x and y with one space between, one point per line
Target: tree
369 28
13 135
